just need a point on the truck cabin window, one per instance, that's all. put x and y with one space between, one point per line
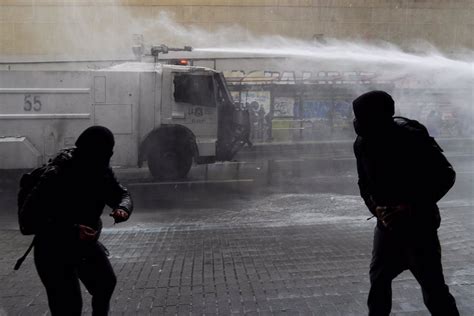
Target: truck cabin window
194 89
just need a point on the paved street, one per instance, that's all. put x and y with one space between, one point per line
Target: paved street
268 254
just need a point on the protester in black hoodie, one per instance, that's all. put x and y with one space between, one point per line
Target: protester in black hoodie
68 202
402 175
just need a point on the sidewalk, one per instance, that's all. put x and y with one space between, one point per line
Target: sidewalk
188 267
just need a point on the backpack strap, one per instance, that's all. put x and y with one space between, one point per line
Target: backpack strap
411 125
414 126
22 258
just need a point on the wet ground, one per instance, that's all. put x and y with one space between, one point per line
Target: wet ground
269 253
257 238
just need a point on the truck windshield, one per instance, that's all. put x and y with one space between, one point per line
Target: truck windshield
194 89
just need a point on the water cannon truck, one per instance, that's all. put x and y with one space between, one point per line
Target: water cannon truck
167 116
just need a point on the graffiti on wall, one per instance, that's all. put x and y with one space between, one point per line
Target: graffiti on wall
343 109
317 109
325 109
253 100
318 116
284 107
256 100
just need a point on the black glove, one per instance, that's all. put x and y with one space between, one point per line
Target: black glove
392 216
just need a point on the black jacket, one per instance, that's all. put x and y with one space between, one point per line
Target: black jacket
403 165
69 194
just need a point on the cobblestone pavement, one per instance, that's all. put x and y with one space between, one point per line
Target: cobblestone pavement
279 254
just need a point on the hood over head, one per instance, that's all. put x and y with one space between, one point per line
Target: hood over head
95 146
373 112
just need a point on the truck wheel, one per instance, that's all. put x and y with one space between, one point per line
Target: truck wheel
169 161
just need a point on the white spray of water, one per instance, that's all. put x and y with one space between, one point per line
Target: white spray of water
115 42
428 67
349 52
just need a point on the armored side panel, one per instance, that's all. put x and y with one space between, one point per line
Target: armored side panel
49 109
150 103
115 105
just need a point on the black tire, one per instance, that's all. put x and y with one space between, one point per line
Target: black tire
170 160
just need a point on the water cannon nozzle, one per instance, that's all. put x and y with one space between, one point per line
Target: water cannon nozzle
163 49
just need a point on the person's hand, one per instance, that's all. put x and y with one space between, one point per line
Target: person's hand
381 213
390 216
87 233
119 215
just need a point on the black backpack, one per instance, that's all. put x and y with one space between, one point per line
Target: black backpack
442 173
28 181
26 219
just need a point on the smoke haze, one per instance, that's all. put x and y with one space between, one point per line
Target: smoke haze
420 67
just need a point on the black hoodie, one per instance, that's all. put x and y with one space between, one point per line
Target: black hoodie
70 193
397 161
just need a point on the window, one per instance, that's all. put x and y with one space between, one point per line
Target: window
194 89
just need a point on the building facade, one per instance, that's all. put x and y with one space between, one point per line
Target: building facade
85 29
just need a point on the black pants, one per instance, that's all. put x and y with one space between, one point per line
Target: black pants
60 268
418 251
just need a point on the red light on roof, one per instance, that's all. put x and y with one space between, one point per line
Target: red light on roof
183 62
